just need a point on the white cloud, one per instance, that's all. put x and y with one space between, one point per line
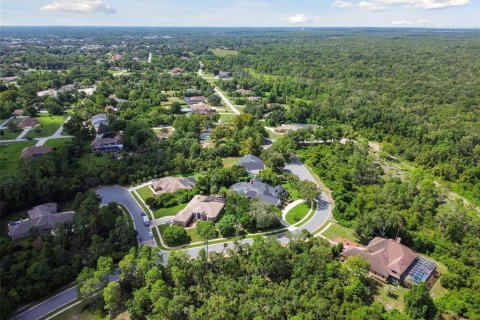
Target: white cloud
343 4
79 6
298 18
371 6
419 22
380 5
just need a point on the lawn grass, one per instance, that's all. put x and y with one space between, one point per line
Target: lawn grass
194 236
47 125
227 118
165 212
223 53
297 213
55 143
394 301
9 134
145 192
9 156
337 231
274 136
229 161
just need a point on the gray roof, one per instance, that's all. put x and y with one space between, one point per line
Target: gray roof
42 217
259 190
251 163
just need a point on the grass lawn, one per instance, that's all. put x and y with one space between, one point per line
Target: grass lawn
394 300
274 136
224 53
57 142
297 213
227 117
337 231
192 233
10 154
164 212
47 125
291 191
230 161
145 192
9 134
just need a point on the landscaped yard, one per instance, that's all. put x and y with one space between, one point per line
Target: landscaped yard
337 231
389 295
145 192
9 155
230 161
165 212
227 117
47 125
54 143
297 213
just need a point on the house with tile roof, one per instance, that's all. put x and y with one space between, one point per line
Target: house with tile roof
172 184
41 218
200 208
35 152
256 189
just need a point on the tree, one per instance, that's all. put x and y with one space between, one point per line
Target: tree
418 303
265 215
215 100
175 235
206 230
226 225
112 297
308 191
269 176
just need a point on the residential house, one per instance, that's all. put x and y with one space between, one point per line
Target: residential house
245 92
200 208
29 122
254 99
195 99
284 128
107 143
251 163
99 119
224 75
41 218
176 70
87 91
9 79
202 108
172 184
48 92
18 112
256 189
391 260
35 152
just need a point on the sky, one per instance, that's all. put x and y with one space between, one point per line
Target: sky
243 13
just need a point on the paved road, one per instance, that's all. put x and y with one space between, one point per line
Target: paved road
227 102
122 195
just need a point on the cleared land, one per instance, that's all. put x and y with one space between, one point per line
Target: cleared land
224 53
9 155
337 231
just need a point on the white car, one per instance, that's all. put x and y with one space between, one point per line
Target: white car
150 234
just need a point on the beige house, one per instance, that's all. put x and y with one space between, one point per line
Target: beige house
200 208
172 184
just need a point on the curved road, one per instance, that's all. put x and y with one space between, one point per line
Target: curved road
121 195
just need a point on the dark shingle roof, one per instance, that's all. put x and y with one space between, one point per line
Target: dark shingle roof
251 163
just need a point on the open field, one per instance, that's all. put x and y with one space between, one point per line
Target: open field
47 125
297 213
9 155
224 53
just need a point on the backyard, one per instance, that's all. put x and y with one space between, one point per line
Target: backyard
230 161
9 154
